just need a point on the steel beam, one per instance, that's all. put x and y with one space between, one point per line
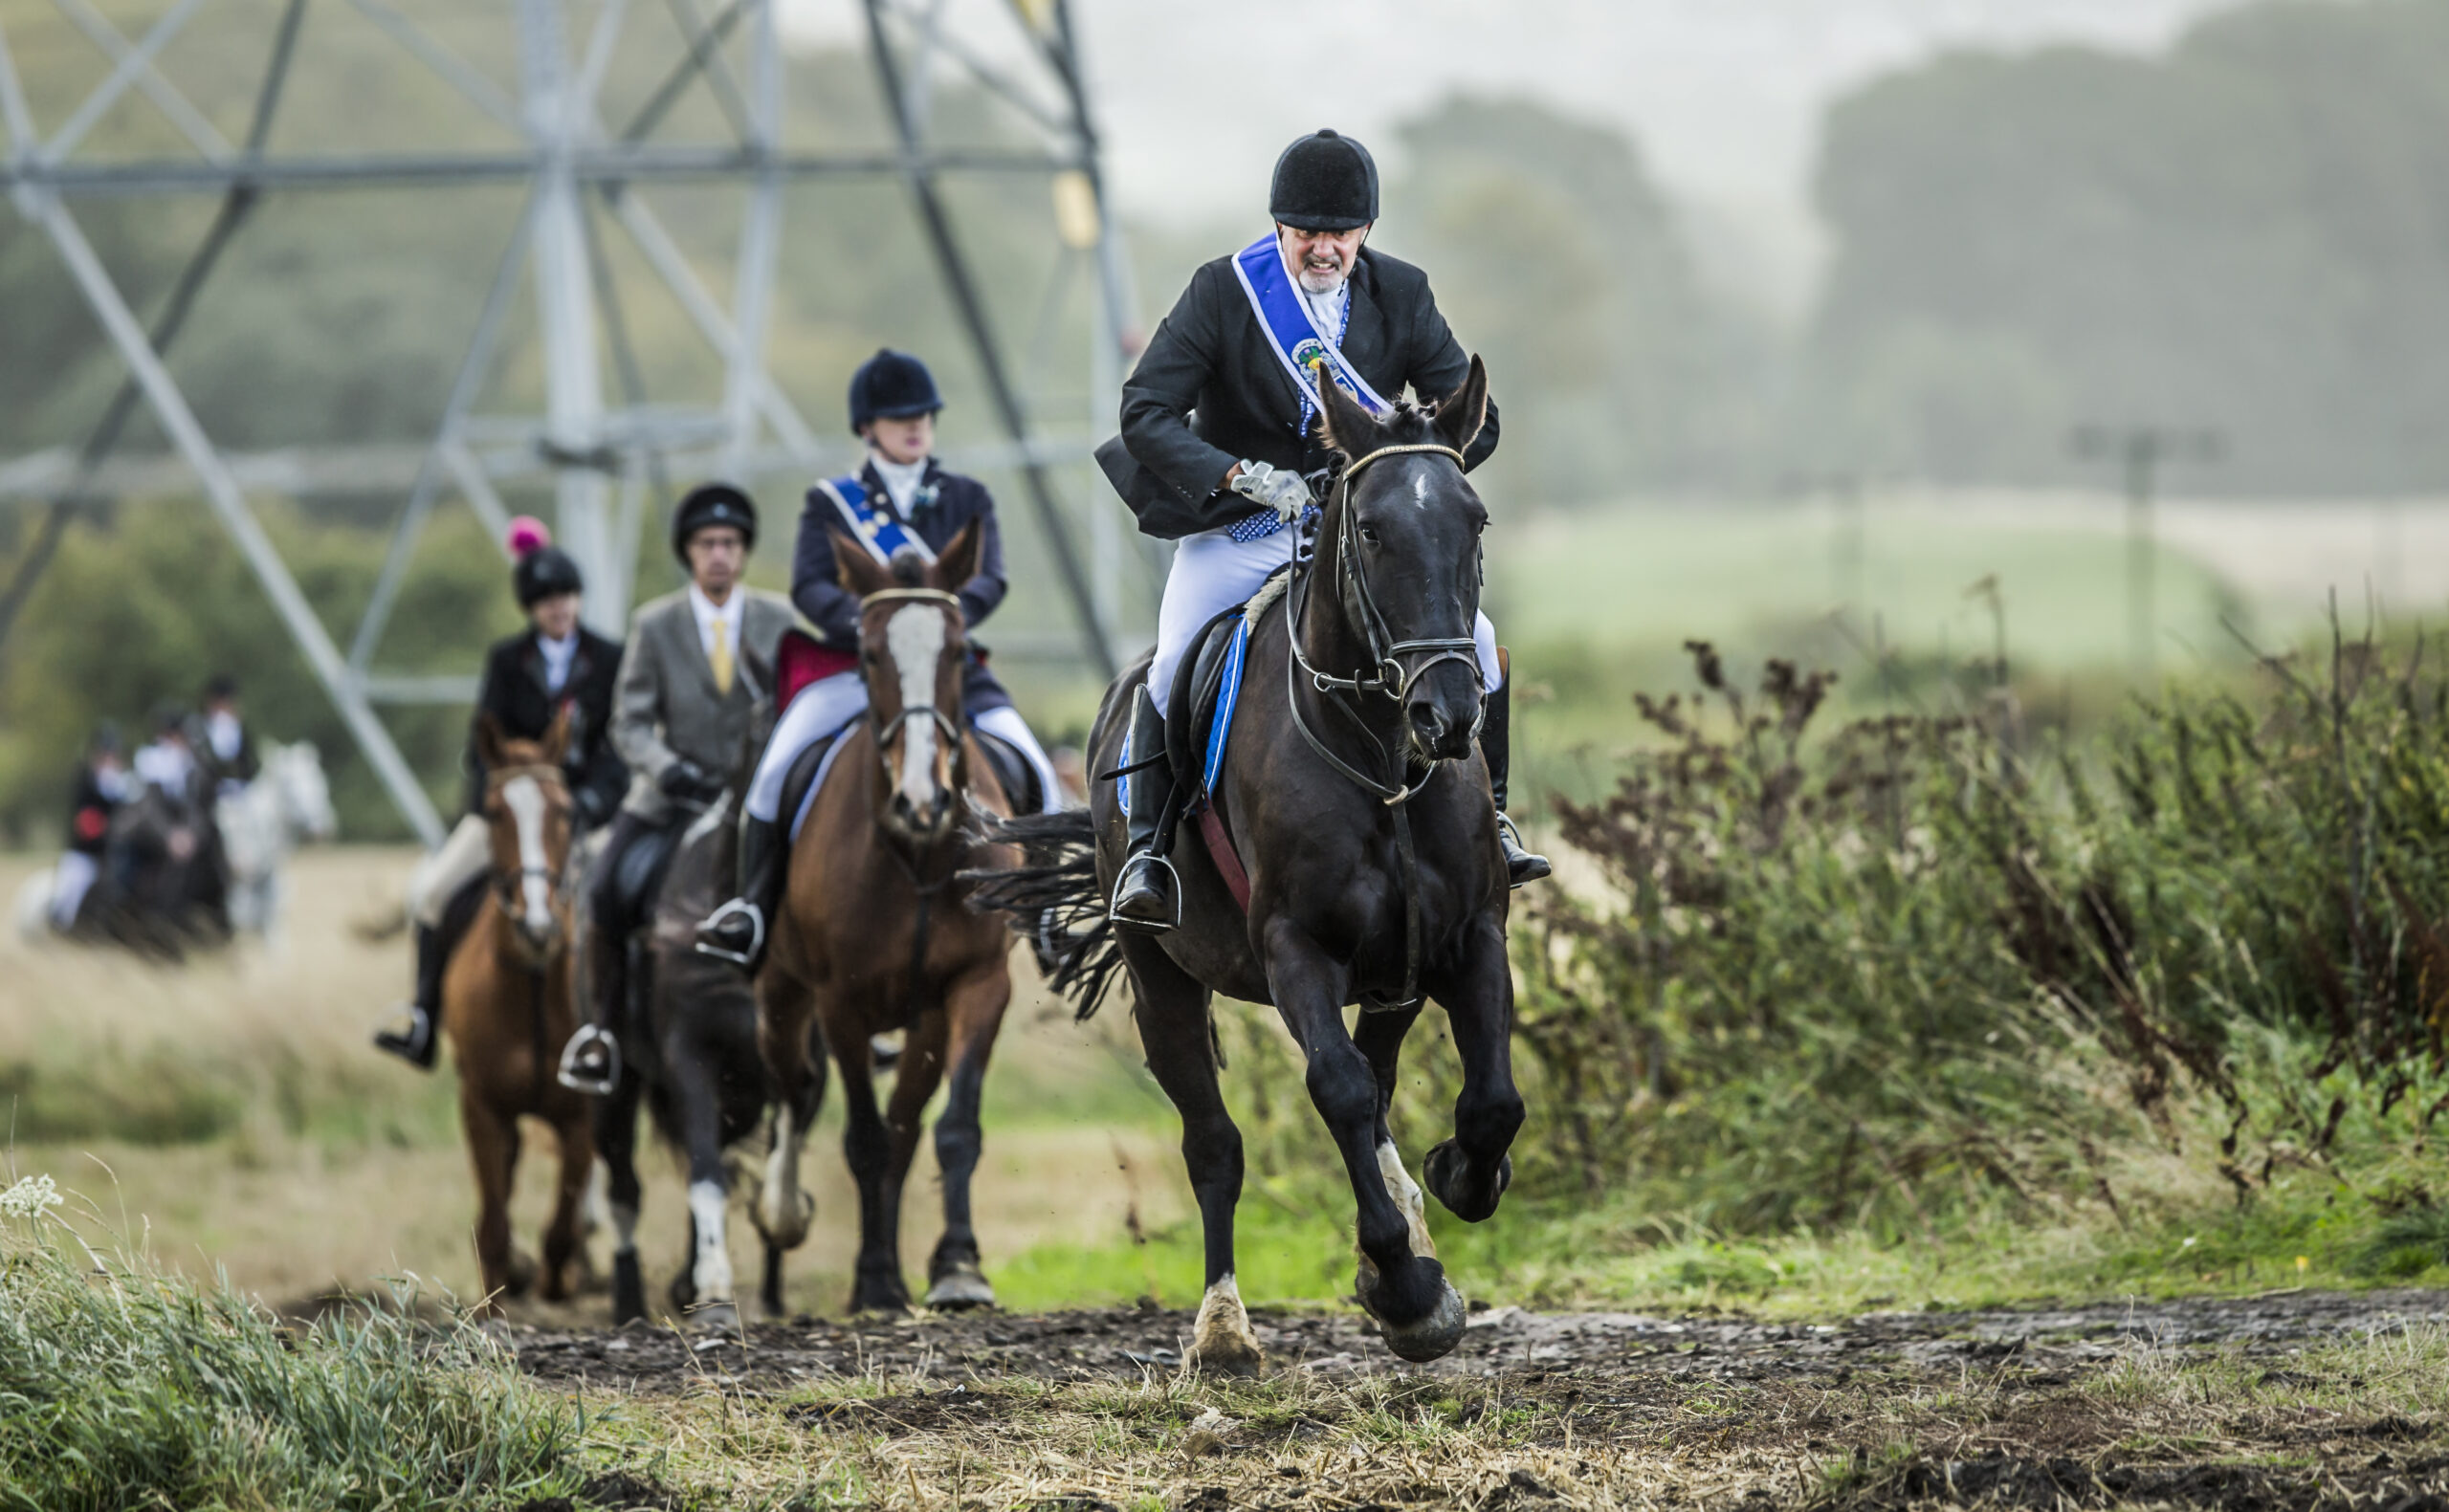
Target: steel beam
640 163
760 247
179 422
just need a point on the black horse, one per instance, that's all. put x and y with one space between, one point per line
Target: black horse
1355 796
694 1060
164 882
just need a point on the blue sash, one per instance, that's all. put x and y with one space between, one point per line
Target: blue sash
872 520
1292 332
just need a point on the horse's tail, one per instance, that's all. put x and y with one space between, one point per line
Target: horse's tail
1054 900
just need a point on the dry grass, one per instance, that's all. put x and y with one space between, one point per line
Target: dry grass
323 1163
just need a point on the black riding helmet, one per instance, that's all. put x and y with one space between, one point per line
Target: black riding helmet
542 573
891 386
1324 183
708 505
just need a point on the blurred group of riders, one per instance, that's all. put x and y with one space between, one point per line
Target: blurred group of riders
142 838
1217 451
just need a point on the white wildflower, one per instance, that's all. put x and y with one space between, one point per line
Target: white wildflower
31 1198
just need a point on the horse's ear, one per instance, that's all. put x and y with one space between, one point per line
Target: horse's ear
1461 413
557 739
861 573
489 740
1346 425
959 561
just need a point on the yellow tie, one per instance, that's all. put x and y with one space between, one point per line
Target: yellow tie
720 658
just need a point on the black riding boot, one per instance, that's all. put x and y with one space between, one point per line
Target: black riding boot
737 931
1496 748
1147 896
417 1042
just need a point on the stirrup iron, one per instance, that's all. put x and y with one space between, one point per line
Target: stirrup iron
1124 921
756 939
571 1077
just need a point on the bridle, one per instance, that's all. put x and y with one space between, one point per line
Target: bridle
506 884
879 734
1388 674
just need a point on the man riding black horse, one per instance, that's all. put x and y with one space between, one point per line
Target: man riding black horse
1218 450
529 679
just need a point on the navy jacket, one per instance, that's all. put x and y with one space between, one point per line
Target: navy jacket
1209 391
816 582
513 693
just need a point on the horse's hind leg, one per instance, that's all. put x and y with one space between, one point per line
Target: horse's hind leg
493 1153
1380 1038
577 1149
802 1116
616 1140
1418 1311
1172 1012
1471 1171
973 1011
795 1077
701 1129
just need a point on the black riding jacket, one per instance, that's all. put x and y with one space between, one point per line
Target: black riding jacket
514 693
1210 391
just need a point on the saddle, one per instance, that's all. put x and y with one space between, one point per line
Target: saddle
1199 724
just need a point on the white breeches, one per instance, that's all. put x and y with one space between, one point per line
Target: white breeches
1213 572
460 858
827 703
70 881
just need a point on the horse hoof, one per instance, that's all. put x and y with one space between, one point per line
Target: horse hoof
520 1279
1222 1343
961 1290
1442 1173
1238 1358
1433 1337
786 1230
629 1289
716 1317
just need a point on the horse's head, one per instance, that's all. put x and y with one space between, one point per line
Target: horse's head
305 795
912 646
1401 541
527 809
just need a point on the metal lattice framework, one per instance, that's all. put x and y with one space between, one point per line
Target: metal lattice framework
581 175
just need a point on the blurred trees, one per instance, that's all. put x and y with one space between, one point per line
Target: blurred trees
2250 232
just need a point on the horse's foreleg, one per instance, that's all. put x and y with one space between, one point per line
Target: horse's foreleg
577 1149
701 1132
794 1077
974 1013
1172 1012
493 1153
1420 1313
616 1140
1471 1171
1379 1039
868 1149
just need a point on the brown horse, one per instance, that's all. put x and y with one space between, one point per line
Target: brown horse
507 1007
876 933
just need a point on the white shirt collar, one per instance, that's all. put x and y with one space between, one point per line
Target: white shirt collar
901 479
558 657
710 617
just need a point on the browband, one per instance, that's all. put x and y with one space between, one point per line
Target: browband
911 595
1354 470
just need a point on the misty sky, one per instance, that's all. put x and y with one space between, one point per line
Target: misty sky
1723 95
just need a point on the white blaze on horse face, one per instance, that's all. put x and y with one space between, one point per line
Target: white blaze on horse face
915 637
1420 490
524 797
710 1267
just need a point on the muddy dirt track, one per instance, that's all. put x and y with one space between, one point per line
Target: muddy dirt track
2044 1345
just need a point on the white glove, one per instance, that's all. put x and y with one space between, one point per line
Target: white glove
1284 491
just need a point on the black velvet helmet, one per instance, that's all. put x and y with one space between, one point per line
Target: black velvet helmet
1324 183
543 572
708 505
891 386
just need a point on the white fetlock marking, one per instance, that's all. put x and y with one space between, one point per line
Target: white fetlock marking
1223 1330
710 1268
625 1228
778 1212
1405 1191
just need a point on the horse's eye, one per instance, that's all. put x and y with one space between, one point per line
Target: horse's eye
1369 535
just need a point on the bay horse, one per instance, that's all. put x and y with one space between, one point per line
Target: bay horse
507 1007
876 933
1353 791
695 1065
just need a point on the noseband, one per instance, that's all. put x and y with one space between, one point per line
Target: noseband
879 734
505 884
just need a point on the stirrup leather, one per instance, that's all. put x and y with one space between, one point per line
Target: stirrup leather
571 1077
756 932
1150 926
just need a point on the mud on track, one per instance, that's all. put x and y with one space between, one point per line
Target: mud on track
2258 1403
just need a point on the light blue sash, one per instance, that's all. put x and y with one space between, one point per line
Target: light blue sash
872 520
1293 330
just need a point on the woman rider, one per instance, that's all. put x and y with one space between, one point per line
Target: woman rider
902 497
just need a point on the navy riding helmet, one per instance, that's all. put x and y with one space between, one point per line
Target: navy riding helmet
712 504
544 573
1324 183
891 386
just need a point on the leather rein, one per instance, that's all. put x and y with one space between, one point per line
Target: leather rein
1389 674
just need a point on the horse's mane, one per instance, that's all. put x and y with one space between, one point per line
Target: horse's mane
1405 425
909 568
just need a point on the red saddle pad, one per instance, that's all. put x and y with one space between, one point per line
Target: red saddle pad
803 659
